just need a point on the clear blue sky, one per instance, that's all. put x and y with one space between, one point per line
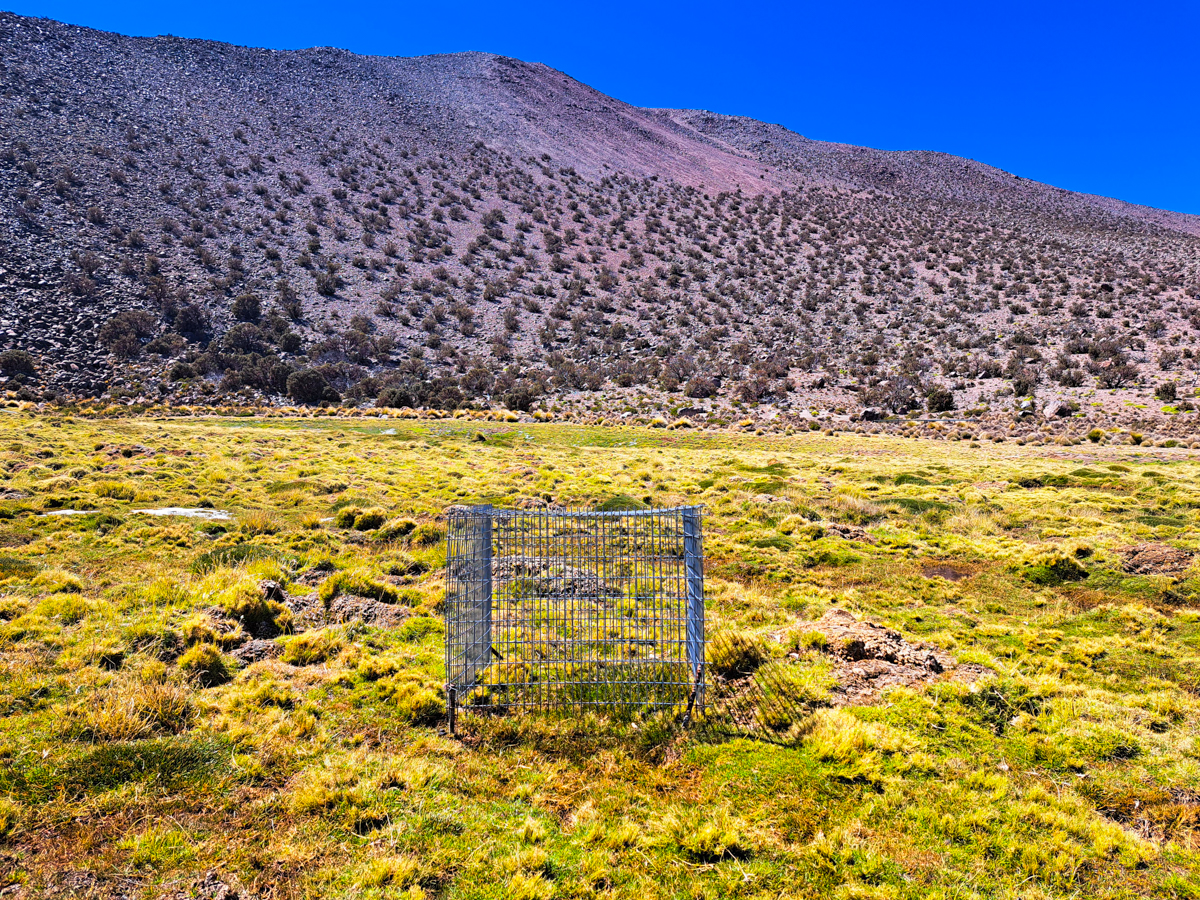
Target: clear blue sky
1095 97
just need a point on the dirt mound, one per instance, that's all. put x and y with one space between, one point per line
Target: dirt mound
848 532
349 608
871 658
307 609
948 572
257 650
853 641
309 612
1156 559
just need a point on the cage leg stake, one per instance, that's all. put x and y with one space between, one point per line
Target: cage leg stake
451 703
697 691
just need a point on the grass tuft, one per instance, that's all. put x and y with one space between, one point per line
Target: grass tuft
205 663
246 603
114 490
357 584
58 581
160 849
313 647
130 711
1051 567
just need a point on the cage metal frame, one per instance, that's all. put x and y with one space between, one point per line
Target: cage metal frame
559 608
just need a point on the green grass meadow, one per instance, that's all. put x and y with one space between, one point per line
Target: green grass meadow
136 749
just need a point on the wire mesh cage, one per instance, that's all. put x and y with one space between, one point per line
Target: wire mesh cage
557 608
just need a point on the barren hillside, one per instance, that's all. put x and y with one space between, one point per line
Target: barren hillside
191 220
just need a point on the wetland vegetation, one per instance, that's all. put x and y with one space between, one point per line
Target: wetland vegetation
255 701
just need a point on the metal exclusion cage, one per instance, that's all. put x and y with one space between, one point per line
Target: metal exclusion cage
556 608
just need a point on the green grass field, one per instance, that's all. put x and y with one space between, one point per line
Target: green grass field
136 755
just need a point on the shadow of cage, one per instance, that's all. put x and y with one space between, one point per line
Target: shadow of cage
563 609
753 695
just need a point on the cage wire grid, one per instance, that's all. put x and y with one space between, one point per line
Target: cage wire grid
574 608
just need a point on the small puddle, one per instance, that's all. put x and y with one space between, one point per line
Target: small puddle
186 512
68 512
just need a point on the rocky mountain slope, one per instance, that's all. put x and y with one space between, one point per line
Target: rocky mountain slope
191 220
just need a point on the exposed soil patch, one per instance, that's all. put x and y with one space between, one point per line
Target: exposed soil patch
213 885
871 658
971 672
853 641
318 573
309 612
307 609
943 570
257 650
989 485
348 608
1156 559
848 532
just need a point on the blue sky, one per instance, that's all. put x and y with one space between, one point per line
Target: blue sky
1095 97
